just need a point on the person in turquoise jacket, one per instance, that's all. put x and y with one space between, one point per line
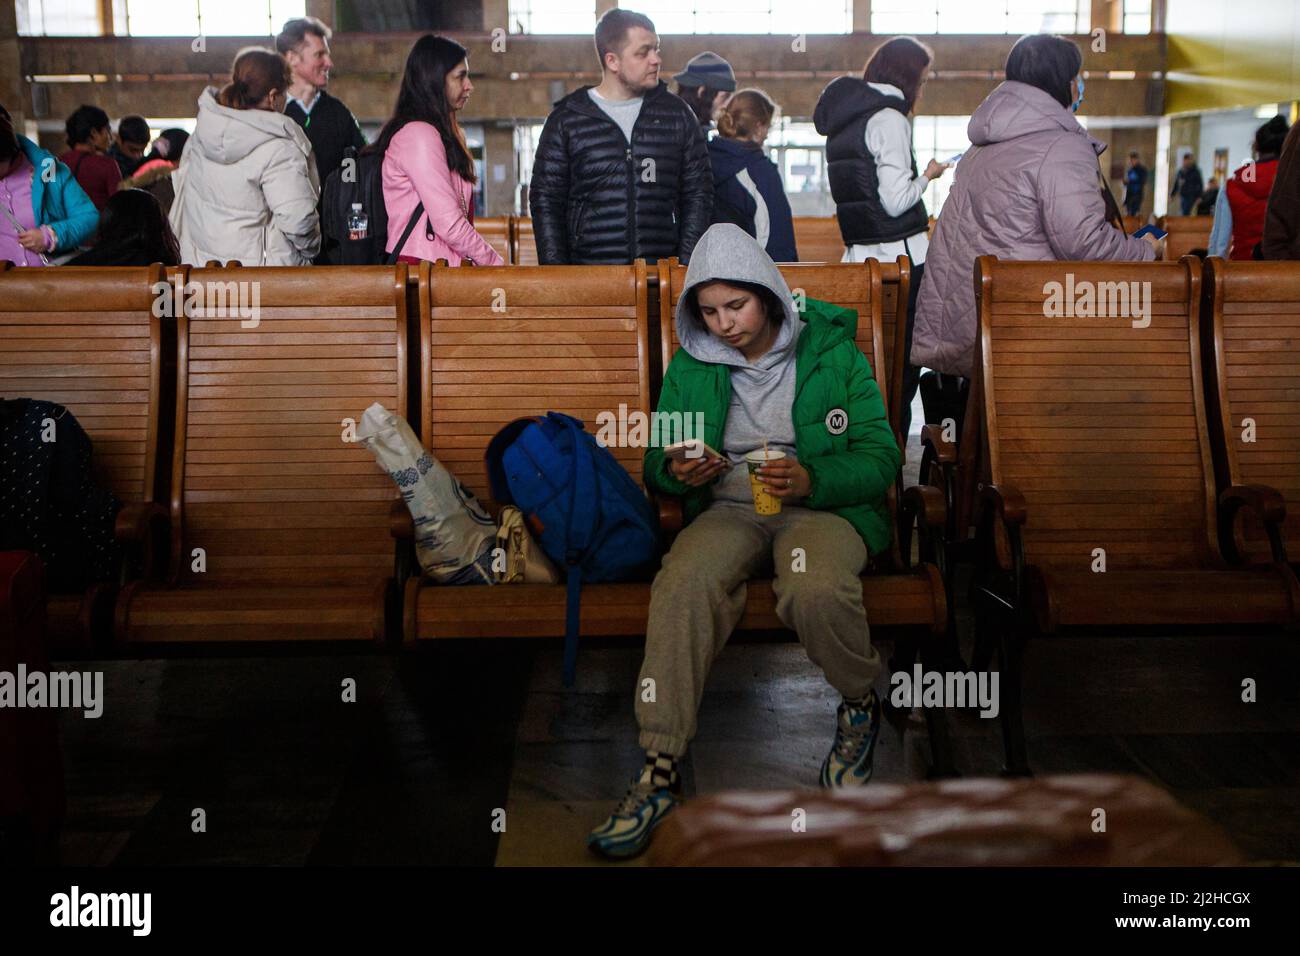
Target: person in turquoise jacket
60 208
756 376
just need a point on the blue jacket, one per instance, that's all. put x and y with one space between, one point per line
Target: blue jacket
61 203
747 191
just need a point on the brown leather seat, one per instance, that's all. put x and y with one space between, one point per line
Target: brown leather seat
1051 821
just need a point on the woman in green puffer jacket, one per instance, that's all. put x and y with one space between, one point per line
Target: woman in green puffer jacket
761 375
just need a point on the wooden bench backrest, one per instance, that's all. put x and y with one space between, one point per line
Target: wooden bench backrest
1100 425
842 283
503 343
1185 234
1132 224
263 478
818 239
496 230
1255 310
87 339
525 246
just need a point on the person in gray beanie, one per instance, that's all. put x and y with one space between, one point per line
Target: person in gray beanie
706 84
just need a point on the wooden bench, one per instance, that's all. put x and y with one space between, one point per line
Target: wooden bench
498 231
841 283
578 341
523 246
293 521
1097 450
562 338
1251 318
818 239
1185 234
87 339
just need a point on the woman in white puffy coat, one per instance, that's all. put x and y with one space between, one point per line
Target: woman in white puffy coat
247 186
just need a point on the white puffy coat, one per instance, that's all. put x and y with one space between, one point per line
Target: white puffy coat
246 189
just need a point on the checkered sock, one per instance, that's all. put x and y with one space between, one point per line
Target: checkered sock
660 769
860 703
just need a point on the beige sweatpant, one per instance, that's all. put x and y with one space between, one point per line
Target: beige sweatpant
699 595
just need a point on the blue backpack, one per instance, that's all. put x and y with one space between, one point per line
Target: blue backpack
585 510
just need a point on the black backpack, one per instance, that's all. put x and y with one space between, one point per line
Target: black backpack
367 188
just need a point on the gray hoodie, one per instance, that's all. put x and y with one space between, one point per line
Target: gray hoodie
762 392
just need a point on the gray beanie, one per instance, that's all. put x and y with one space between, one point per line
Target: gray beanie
708 69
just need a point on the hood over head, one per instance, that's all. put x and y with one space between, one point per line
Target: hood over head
1016 109
728 253
226 135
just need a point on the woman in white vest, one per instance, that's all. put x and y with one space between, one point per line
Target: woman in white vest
248 184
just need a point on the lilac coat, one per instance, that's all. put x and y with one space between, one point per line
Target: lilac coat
1027 189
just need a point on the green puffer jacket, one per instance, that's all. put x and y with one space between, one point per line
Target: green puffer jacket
850 472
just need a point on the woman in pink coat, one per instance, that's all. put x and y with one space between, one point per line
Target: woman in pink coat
426 160
1028 188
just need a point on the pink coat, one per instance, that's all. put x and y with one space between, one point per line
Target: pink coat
415 170
1028 188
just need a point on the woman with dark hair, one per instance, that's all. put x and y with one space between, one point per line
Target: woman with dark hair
428 173
1240 213
89 137
872 168
132 232
706 85
248 186
1028 188
39 213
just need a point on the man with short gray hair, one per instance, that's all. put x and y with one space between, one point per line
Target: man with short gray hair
328 123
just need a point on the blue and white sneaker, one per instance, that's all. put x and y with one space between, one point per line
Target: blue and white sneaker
850 761
626 832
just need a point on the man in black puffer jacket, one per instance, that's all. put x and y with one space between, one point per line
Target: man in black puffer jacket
621 171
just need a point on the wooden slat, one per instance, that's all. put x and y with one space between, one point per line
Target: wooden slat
87 339
1103 432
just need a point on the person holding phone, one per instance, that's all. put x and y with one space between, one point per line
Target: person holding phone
872 169
804 468
1026 189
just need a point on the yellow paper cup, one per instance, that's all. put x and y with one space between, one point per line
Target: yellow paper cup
764 502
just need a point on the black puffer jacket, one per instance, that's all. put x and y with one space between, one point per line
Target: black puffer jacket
597 200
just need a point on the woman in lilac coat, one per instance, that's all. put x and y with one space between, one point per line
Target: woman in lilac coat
1029 188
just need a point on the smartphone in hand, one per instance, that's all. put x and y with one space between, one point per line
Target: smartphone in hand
1155 231
693 449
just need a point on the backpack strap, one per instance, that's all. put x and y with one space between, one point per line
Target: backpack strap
582 524
406 234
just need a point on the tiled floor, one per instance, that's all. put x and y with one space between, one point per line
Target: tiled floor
473 753
441 741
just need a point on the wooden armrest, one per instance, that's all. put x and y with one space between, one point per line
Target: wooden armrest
1006 501
143 529
400 523
945 452
1266 502
927 503
136 521
671 515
